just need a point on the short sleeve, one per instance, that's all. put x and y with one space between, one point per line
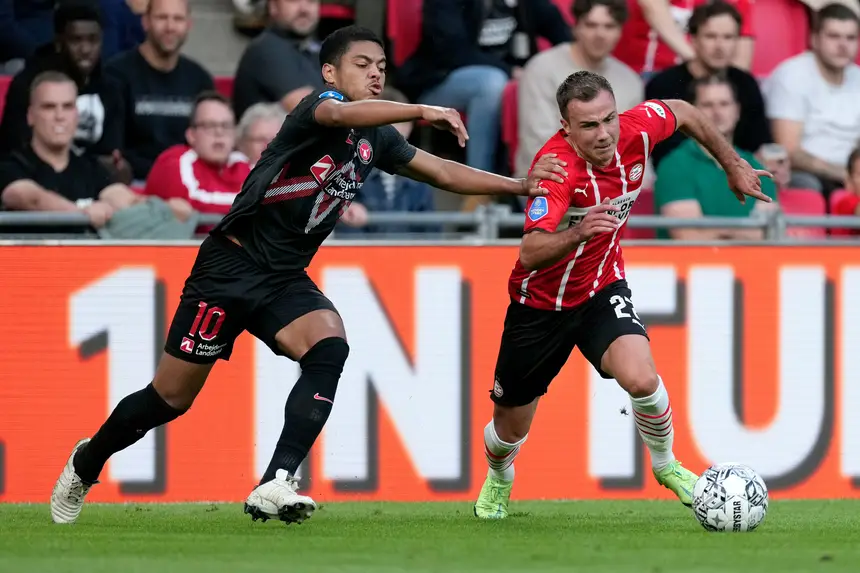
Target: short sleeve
303 114
846 204
546 212
784 97
164 180
395 151
11 171
673 181
655 118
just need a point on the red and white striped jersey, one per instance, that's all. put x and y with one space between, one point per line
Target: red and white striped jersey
179 172
597 262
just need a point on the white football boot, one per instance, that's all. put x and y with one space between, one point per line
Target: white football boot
278 499
67 499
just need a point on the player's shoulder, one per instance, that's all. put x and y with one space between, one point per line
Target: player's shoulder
174 153
308 104
558 145
646 110
653 116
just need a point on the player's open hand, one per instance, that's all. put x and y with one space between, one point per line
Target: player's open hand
599 219
548 167
744 181
446 119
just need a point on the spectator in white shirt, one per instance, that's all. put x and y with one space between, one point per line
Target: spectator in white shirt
813 101
597 31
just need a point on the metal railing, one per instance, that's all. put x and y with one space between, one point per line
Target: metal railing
486 222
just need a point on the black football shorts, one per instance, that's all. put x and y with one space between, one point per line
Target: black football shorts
227 293
536 343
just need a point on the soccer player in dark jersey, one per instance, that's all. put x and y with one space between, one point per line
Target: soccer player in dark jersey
568 287
250 271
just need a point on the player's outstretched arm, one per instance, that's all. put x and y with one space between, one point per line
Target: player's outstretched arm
743 179
463 180
376 113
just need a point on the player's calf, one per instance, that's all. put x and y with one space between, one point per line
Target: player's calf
132 418
170 394
492 502
629 360
500 454
306 412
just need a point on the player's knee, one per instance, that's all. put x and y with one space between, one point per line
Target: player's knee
640 383
176 397
178 383
326 356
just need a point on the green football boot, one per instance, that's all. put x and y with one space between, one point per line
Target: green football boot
494 498
679 479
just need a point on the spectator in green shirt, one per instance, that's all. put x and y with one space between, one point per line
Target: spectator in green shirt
690 183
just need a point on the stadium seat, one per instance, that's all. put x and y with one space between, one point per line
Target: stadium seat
510 117
224 86
803 202
782 31
329 11
404 28
644 205
4 87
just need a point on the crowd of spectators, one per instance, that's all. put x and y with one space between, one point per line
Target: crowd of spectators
105 115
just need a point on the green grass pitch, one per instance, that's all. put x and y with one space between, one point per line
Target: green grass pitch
645 537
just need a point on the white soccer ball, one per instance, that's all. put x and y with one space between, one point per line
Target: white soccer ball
730 497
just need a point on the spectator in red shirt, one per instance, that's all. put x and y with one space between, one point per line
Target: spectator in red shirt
654 36
205 175
849 203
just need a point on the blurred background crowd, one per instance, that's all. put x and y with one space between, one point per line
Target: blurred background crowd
144 115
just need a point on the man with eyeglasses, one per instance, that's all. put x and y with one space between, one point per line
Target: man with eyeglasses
206 174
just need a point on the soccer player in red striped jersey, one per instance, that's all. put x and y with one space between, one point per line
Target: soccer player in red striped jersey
568 286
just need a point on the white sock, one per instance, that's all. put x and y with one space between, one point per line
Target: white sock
653 417
500 455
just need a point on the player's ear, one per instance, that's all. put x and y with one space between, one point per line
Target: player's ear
565 126
328 74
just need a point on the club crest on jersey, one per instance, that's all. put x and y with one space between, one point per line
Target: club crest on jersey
365 151
539 209
658 109
636 172
331 94
322 168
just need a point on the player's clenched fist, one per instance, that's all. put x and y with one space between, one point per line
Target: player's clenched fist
599 219
447 119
